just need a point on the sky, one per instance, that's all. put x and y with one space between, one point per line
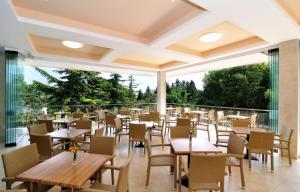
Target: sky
30 74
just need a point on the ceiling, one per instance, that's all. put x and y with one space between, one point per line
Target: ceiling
145 36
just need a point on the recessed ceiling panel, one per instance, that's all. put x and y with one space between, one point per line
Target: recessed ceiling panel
292 7
233 37
140 20
46 45
146 60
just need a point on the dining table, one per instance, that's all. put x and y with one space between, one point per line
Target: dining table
237 117
65 122
67 135
183 146
60 171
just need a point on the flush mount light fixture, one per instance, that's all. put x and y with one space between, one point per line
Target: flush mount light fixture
72 44
211 37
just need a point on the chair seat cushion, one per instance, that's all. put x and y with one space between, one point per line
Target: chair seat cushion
202 127
223 139
205 186
232 161
155 133
103 187
162 160
122 133
84 147
259 151
281 145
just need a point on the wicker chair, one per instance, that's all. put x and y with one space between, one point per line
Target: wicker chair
100 117
235 155
180 132
44 145
221 120
137 132
144 117
160 160
49 124
122 183
39 129
283 142
18 161
158 131
206 172
169 123
222 135
110 123
119 129
84 124
261 142
183 122
104 145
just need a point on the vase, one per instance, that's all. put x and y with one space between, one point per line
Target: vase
74 159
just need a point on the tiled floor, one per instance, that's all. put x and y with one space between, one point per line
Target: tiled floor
260 179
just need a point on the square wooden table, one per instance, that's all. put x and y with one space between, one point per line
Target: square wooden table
244 130
182 146
65 121
67 133
59 170
237 117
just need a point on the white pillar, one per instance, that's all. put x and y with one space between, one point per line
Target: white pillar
161 92
289 65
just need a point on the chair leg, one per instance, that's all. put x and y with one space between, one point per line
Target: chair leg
229 169
222 186
148 173
208 133
289 154
175 172
129 145
242 173
179 178
249 158
112 172
272 161
281 153
119 138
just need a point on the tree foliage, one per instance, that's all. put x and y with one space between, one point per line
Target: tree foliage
245 86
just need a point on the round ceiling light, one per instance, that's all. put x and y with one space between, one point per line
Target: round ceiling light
211 37
72 44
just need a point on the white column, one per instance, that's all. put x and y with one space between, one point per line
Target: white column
161 92
289 65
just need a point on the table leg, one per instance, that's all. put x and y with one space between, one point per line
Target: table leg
34 187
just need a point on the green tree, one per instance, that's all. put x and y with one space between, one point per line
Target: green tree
245 86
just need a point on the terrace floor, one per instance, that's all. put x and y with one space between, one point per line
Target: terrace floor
260 179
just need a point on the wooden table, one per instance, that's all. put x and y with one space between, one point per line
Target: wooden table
67 133
238 117
59 170
66 122
244 130
183 146
149 124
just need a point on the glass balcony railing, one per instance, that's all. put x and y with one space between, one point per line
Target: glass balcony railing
262 119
